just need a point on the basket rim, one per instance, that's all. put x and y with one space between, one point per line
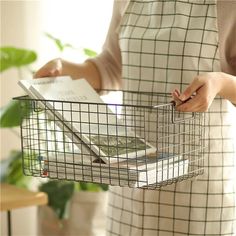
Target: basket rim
167 95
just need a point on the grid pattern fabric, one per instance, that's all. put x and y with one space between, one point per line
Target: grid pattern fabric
164 45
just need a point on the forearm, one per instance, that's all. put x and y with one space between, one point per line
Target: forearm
228 88
86 70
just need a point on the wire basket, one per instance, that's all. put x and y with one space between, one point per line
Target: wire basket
143 142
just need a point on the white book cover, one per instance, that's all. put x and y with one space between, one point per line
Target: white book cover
26 83
133 172
85 113
116 176
139 163
74 142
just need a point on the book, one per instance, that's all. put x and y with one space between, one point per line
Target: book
61 134
94 133
90 119
26 83
141 172
143 162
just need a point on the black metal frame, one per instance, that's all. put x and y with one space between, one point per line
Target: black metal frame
71 140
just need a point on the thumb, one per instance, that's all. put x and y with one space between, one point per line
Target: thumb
52 68
192 88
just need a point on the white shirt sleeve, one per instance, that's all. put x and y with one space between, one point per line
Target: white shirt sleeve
108 61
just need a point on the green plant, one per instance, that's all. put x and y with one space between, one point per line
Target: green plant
63 191
11 168
59 44
12 57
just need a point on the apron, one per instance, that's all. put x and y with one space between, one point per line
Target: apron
164 45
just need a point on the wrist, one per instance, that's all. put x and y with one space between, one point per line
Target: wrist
222 81
227 87
86 70
74 70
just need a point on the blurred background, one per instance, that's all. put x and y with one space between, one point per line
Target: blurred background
34 25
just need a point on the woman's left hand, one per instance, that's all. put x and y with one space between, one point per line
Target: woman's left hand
201 92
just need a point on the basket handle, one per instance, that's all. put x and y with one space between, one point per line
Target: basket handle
174 120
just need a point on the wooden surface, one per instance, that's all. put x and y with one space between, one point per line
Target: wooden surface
13 197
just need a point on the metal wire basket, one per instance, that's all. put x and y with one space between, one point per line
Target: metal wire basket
143 142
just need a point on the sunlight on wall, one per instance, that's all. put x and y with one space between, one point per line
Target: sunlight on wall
82 23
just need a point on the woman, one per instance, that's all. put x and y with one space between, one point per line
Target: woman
167 46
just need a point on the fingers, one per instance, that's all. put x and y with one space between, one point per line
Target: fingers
175 95
198 103
190 106
199 95
44 72
177 92
51 69
191 89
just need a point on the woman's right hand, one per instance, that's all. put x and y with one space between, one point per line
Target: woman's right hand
51 69
60 67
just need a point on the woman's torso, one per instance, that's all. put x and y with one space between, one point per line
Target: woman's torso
164 45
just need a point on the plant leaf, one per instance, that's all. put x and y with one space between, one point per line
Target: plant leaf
92 187
60 45
90 53
13 113
59 193
104 187
11 57
13 173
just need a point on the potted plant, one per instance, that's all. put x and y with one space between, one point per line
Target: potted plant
78 209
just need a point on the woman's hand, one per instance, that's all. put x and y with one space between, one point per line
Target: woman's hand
51 69
60 67
199 95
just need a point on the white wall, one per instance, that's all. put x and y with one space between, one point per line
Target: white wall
17 17
23 24
83 23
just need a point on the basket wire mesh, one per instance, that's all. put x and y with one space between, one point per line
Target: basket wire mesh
143 142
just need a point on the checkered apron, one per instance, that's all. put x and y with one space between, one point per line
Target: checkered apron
164 45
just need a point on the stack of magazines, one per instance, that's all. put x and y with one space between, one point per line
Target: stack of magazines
104 148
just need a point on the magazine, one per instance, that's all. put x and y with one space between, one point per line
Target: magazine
70 142
133 173
90 119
